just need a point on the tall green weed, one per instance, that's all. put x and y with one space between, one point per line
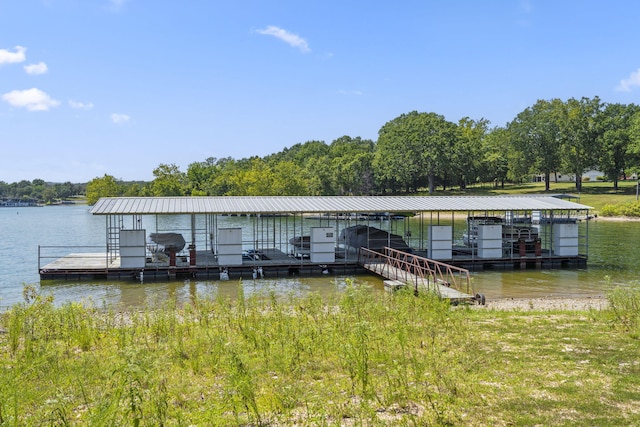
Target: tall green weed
624 303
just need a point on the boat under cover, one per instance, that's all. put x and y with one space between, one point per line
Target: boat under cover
166 242
363 236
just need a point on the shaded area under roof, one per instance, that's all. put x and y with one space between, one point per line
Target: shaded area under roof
327 204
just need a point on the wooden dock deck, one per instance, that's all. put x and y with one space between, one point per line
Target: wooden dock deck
69 262
273 263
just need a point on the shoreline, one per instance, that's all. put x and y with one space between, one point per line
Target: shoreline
598 302
615 218
462 215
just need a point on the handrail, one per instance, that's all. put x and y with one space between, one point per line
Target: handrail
399 265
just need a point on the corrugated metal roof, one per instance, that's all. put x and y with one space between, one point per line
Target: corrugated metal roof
327 204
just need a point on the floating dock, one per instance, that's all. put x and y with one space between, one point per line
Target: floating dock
277 236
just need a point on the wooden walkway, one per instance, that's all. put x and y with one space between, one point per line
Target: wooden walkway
422 274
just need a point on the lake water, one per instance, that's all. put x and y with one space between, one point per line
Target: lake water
612 261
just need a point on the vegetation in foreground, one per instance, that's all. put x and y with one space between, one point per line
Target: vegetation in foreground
365 358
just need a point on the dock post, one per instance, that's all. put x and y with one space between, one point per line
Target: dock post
192 255
522 246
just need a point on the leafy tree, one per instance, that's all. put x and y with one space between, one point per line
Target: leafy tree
289 179
320 176
616 139
48 194
168 181
106 186
353 174
65 190
4 189
300 153
219 181
466 156
412 149
536 136
256 179
634 141
346 146
200 176
351 163
495 158
578 121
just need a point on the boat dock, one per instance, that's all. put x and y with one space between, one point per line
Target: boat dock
198 264
239 237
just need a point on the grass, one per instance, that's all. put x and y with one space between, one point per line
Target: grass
362 359
596 194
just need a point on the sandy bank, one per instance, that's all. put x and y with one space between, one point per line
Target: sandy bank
551 303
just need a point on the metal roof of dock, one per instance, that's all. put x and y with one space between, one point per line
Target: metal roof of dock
328 204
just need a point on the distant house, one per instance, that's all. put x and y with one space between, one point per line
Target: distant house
590 175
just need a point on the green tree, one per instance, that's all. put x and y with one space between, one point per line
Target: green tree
578 121
412 149
495 158
254 178
168 181
4 189
219 182
107 186
65 190
321 176
536 136
634 141
299 153
201 175
466 155
289 179
352 165
616 139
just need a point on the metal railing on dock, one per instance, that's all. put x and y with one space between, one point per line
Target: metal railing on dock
412 269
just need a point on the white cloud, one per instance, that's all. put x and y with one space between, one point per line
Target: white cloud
80 105
291 39
119 118
7 57
626 85
349 92
35 69
32 99
117 4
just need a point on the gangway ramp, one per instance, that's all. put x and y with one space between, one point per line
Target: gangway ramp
420 273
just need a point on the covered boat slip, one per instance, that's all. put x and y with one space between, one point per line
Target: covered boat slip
230 237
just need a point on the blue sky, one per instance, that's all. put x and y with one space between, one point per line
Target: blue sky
94 87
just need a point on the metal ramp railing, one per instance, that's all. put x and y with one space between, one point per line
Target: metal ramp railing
445 280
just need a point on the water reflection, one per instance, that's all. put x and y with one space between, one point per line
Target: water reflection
537 283
130 295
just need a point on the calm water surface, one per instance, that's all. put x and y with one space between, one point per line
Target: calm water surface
612 261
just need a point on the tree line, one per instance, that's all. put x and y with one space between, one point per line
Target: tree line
419 151
39 191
